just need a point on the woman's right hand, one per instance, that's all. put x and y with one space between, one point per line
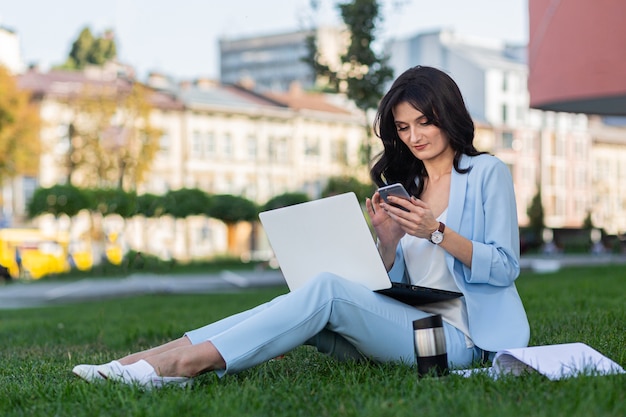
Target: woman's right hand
388 231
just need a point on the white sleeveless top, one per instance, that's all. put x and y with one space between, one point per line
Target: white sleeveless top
426 266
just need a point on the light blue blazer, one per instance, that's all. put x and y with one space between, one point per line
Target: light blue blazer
482 208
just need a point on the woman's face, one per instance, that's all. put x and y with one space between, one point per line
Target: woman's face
426 141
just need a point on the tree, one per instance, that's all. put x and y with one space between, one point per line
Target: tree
90 50
536 216
338 185
20 145
150 205
588 221
364 73
284 200
106 201
186 202
231 210
135 141
57 200
91 110
111 140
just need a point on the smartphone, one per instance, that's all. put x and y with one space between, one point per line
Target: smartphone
396 190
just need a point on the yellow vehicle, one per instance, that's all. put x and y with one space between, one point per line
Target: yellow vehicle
30 253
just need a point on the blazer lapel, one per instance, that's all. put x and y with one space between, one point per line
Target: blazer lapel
458 188
456 202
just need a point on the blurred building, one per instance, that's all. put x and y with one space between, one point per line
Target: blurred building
551 151
543 149
10 52
274 62
236 141
577 56
608 177
222 139
577 62
259 133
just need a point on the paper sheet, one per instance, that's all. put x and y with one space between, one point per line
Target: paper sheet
553 361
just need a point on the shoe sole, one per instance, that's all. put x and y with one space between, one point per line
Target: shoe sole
155 382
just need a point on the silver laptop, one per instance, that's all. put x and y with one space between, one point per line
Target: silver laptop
332 235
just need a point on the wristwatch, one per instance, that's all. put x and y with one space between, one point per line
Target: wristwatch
437 236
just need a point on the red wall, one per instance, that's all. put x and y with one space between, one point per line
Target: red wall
577 55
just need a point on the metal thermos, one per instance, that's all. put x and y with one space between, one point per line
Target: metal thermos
430 346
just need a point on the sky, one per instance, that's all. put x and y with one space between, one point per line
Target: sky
181 38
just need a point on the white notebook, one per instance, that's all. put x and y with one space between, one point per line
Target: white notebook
553 361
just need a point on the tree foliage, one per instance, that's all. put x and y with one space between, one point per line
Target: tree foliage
20 146
364 73
367 72
108 201
136 140
284 200
150 205
536 215
232 209
90 50
111 140
92 111
57 200
588 221
186 202
339 185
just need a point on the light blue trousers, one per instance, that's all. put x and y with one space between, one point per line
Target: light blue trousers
341 318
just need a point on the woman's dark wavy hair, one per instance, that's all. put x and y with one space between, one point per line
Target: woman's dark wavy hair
436 96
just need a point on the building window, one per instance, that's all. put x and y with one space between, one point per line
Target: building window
580 177
196 144
505 82
507 140
252 148
579 147
228 145
504 113
311 147
561 147
534 141
559 209
339 152
277 150
551 144
528 174
282 153
210 144
559 181
164 142
271 149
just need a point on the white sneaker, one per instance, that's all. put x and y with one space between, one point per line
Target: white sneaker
142 374
92 373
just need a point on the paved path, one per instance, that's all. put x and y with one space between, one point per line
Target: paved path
548 263
38 293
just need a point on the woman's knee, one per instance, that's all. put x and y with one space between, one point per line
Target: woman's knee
329 281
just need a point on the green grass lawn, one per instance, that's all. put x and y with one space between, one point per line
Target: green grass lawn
39 347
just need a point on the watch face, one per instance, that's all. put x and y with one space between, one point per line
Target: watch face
436 237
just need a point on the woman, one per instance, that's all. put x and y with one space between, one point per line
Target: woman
460 233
